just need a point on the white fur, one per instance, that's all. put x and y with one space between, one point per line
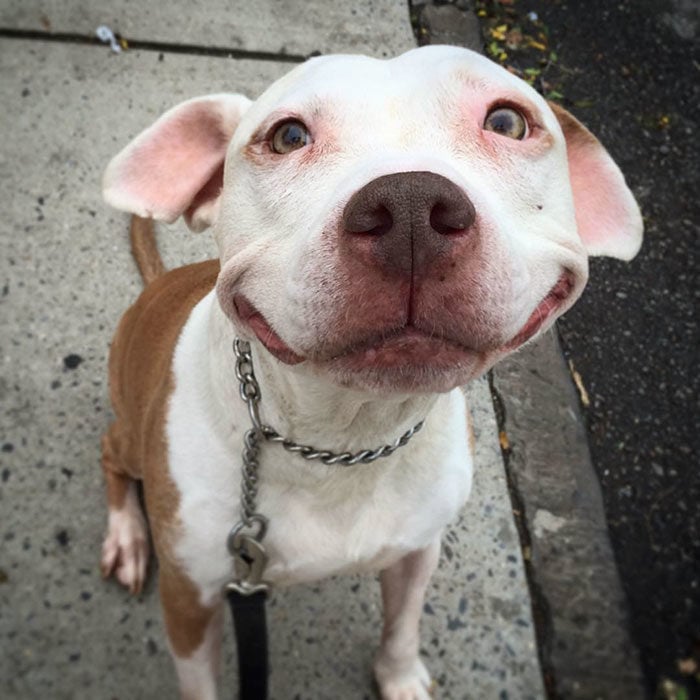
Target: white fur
400 672
278 223
125 548
198 672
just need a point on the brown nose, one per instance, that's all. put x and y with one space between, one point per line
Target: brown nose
411 219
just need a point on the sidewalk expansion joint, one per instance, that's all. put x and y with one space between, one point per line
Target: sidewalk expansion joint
160 46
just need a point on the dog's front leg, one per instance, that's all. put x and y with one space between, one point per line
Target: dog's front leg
400 674
194 635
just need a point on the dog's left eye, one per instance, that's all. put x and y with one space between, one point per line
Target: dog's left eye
289 137
506 122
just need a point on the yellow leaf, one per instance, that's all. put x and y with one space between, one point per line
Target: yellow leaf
536 45
585 400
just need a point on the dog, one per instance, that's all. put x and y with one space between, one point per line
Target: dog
387 230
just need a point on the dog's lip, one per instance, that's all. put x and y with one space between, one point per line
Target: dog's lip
556 296
403 347
264 333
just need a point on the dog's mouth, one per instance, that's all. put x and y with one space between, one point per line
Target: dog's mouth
407 346
554 300
264 333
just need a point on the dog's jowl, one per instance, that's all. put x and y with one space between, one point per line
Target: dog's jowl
387 231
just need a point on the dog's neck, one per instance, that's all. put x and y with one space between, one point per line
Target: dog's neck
305 407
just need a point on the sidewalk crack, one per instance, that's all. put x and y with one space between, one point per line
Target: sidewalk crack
160 46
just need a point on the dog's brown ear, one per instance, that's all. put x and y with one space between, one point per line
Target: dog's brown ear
607 215
176 166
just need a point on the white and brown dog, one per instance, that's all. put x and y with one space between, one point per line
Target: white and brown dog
387 231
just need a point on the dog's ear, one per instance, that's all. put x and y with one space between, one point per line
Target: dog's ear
176 166
607 215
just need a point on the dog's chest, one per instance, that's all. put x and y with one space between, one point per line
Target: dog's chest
323 521
350 522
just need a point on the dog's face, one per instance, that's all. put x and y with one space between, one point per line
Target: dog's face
394 225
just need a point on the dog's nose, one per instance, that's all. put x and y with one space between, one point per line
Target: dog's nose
408 219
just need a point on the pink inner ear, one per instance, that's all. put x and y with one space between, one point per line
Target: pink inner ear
210 190
599 197
170 168
607 216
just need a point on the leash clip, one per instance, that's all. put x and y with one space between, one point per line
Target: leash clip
249 556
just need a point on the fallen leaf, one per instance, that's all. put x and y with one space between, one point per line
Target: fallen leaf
670 690
688 666
536 45
493 48
499 33
583 394
503 439
554 95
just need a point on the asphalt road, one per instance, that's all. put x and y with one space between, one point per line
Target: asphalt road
631 72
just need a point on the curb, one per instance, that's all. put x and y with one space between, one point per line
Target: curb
579 607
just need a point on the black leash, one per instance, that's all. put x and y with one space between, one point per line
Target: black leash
250 627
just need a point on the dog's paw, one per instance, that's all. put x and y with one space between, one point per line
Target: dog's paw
403 681
125 549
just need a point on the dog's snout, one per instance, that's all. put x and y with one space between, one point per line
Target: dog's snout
411 217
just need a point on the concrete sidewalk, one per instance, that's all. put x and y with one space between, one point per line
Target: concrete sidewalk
68 276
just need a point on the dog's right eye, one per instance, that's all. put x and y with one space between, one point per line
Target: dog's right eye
289 136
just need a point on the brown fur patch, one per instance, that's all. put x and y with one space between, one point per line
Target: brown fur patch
575 133
141 382
144 249
186 619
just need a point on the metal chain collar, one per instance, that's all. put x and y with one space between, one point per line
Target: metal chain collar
246 548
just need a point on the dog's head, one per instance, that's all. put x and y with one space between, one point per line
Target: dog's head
395 225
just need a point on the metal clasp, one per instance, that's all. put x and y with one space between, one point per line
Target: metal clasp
249 556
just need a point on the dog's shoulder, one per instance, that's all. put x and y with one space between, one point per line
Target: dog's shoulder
144 343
